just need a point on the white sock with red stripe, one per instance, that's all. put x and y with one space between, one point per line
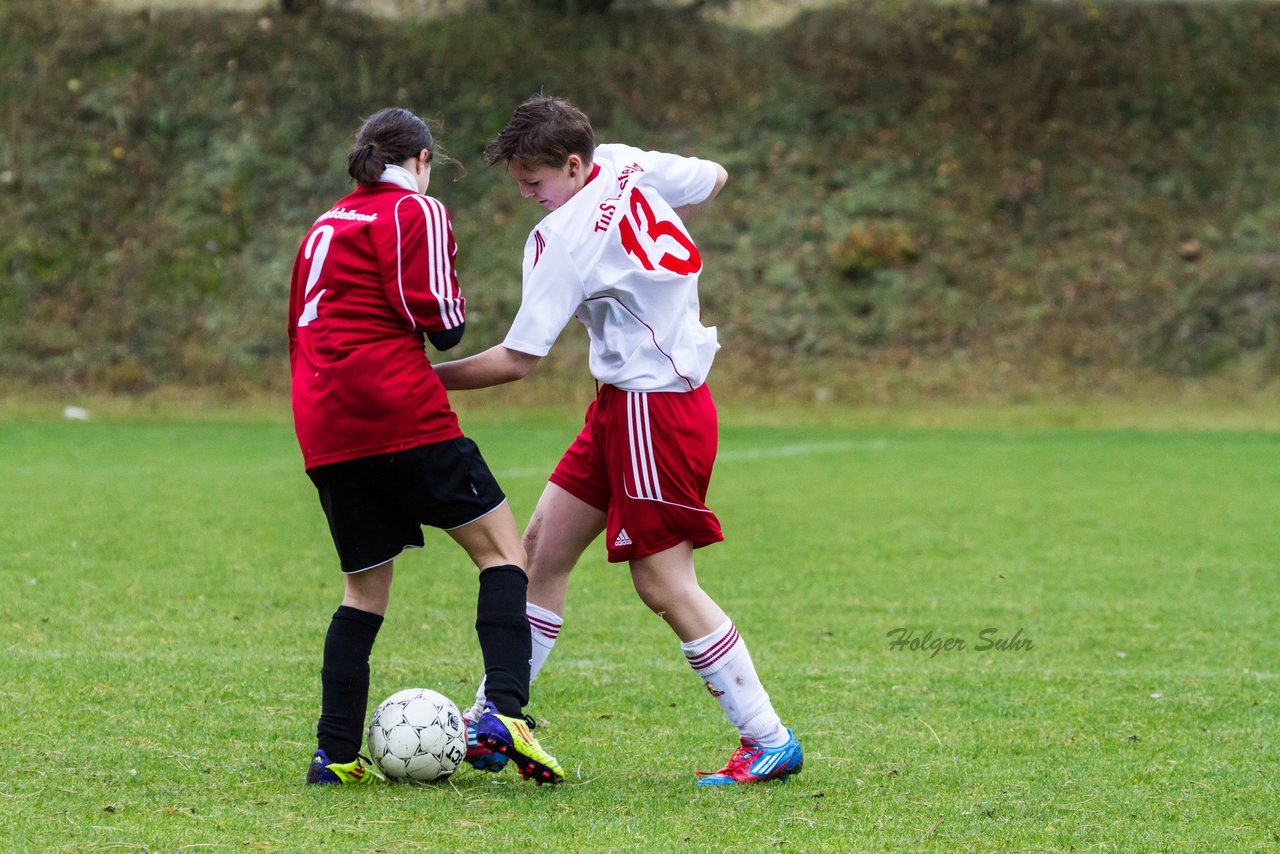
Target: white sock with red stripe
722 661
545 628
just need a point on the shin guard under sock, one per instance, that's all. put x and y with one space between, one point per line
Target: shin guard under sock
344 682
505 644
544 628
722 661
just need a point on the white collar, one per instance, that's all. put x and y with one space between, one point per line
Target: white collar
400 176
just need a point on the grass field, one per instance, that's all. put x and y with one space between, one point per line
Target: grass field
167 583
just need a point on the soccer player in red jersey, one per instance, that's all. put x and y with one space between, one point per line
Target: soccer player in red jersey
613 251
374 276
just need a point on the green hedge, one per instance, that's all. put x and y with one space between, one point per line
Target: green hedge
1043 188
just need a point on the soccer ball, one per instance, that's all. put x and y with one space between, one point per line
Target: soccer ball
417 734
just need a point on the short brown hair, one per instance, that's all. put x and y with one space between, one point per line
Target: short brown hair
543 131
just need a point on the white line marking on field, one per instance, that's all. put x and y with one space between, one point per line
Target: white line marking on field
801 450
742 454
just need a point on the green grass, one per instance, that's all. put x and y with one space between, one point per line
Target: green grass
167 583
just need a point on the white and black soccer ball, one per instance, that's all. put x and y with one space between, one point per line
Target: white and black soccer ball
417 734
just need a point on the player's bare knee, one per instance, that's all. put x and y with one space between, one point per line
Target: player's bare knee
532 531
530 545
659 599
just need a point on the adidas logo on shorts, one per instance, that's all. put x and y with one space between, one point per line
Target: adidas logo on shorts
622 539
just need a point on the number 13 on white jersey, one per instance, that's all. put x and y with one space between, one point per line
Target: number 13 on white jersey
640 231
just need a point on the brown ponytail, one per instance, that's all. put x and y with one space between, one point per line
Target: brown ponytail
392 135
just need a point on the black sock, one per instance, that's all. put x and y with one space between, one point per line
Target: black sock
344 682
505 641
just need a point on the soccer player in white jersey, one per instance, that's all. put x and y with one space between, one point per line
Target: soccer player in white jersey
613 251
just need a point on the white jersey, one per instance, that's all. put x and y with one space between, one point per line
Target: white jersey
618 258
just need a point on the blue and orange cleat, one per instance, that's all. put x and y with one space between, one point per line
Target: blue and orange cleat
323 772
755 763
512 738
478 756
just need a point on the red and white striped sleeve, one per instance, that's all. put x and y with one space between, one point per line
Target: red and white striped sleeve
422 281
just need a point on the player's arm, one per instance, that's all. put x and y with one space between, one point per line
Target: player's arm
695 208
552 292
494 366
418 272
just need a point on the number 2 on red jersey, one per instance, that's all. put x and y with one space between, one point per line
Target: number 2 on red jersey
316 250
654 229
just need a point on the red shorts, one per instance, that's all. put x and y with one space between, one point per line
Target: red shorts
645 459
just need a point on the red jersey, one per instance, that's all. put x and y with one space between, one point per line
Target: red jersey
373 276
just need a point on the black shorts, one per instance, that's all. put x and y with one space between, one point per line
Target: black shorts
377 505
